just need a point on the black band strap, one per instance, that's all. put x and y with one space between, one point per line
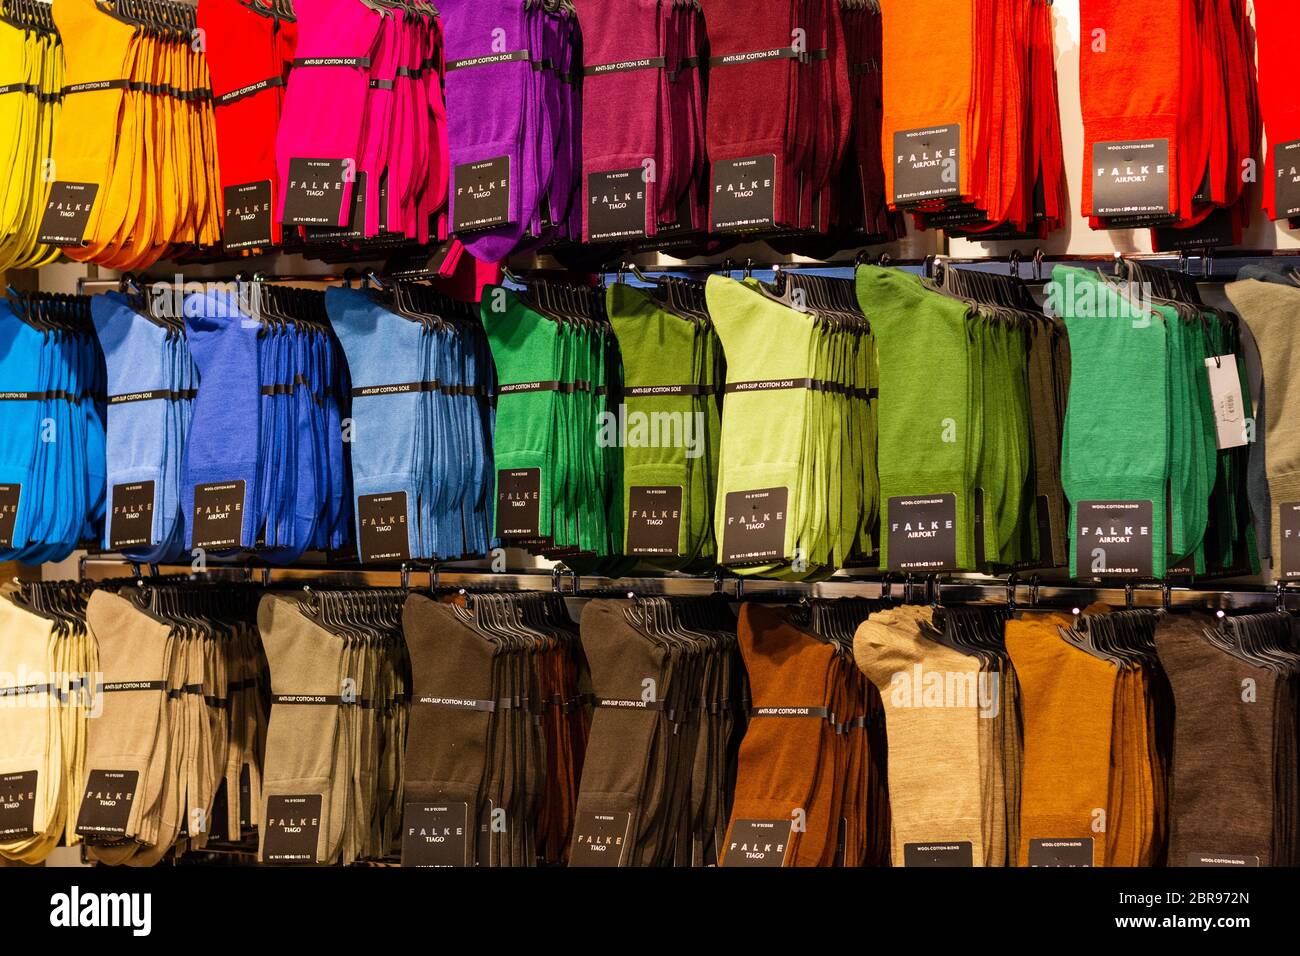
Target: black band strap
488 60
626 66
456 703
310 62
252 89
754 56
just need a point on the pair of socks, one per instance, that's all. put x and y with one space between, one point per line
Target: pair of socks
798 502
672 372
152 382
332 783
421 445
31 79
498 730
52 473
137 130
668 692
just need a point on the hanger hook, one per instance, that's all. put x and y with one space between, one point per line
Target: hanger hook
1013 580
1130 597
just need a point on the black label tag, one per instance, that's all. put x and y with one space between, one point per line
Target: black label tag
758 843
600 839
315 196
654 520
1131 178
218 515
106 803
381 521
1214 231
1220 859
356 224
10 495
435 834
1288 562
755 529
17 805
1286 183
422 262
519 502
292 829
616 205
923 533
744 194
1060 852
938 854
482 194
131 524
927 164
67 213
245 796
248 216
1113 539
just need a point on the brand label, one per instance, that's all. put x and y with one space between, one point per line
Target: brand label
923 533
381 526
292 829
1131 178
1220 859
316 191
10 495
758 843
131 524
755 528
17 805
519 502
218 515
435 834
67 213
247 216
938 854
1229 407
600 839
616 205
1060 852
106 803
481 197
654 520
1113 539
927 164
1289 515
744 194
1286 185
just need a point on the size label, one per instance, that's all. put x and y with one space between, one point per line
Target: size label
435 834
1113 539
481 197
923 533
381 527
247 216
67 214
616 205
960 853
131 523
218 515
1131 179
17 805
106 803
755 528
654 520
600 839
758 843
519 502
1229 406
927 164
1061 852
317 188
744 194
292 829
